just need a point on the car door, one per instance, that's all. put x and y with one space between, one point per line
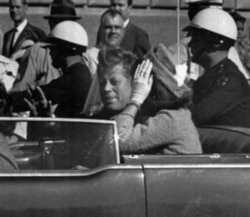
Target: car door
212 188
70 167
117 191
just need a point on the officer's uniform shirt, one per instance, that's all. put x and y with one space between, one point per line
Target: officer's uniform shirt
221 96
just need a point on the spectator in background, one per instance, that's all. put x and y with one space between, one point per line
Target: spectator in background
135 39
111 32
242 43
23 34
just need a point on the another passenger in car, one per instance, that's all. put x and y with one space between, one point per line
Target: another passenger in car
167 130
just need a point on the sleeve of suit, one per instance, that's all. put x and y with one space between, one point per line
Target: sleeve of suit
143 44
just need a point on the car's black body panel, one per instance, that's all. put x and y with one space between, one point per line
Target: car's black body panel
95 193
198 191
103 183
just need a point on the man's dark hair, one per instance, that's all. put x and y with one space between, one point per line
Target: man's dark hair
109 57
112 12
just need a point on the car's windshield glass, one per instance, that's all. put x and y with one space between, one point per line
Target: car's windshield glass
62 143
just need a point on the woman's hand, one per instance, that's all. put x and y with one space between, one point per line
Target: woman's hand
142 82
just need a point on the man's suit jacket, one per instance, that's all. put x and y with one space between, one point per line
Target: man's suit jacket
136 40
29 32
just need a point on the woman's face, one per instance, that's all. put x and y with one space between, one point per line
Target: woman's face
115 87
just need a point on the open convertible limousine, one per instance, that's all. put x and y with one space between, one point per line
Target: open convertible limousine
72 167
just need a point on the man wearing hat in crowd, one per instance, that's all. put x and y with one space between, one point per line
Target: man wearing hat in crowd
22 31
194 70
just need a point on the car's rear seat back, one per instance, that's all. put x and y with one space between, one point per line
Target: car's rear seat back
225 139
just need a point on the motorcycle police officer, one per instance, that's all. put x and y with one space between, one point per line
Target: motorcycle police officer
221 96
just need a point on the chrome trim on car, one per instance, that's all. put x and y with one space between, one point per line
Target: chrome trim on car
66 173
76 120
196 166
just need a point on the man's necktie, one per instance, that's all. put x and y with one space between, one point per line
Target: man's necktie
14 31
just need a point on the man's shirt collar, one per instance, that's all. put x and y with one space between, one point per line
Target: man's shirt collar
126 23
22 25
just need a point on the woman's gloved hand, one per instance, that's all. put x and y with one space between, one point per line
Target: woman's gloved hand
142 82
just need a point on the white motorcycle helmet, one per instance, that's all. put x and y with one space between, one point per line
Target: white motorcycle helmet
69 34
215 21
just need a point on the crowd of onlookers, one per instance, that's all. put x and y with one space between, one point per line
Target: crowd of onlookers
160 97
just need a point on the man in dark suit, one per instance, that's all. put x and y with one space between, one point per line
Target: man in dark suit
23 33
135 39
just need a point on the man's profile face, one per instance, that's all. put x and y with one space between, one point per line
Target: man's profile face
112 30
17 11
115 87
196 47
122 6
241 30
57 59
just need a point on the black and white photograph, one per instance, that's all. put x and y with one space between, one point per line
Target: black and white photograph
124 108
